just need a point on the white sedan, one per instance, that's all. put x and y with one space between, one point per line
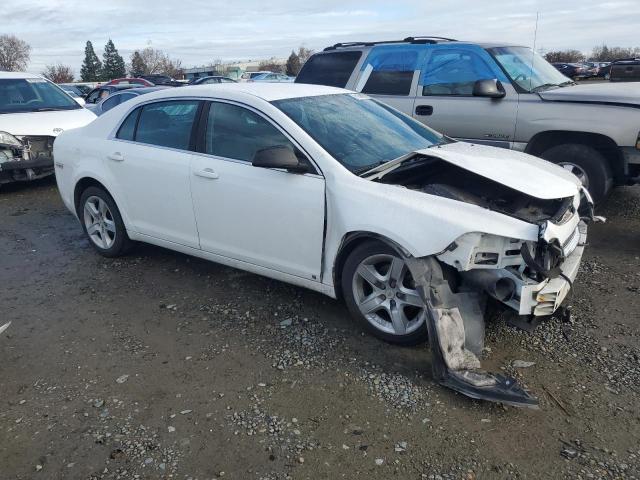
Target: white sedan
334 191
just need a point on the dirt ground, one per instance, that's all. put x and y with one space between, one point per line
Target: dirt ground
159 365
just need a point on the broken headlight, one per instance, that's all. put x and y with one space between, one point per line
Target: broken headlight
10 148
9 140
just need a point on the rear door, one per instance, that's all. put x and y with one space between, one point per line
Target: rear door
266 217
445 101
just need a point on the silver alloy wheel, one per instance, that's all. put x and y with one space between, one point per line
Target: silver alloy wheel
385 294
578 171
99 222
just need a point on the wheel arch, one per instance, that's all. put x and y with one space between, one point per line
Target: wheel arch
605 145
349 243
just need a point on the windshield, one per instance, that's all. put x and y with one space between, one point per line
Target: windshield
528 69
357 131
32 95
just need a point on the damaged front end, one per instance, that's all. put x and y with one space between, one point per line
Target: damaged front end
530 278
24 158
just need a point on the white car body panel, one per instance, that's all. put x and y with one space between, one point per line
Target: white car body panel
44 123
253 228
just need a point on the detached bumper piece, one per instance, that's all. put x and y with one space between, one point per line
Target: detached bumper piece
456 336
31 161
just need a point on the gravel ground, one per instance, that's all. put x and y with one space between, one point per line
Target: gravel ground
162 366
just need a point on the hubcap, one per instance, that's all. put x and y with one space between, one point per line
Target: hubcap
385 293
99 222
578 172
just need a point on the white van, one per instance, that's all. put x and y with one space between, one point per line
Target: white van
33 111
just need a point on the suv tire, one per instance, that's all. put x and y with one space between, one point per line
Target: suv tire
395 293
590 163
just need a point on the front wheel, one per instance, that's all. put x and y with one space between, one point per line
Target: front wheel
381 294
586 163
102 223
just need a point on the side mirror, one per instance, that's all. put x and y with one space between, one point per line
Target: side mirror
490 88
278 157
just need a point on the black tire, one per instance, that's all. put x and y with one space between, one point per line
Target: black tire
359 254
592 162
121 243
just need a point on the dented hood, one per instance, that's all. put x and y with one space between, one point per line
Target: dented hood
606 93
44 123
527 174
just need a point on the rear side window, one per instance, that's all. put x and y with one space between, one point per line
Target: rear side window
238 133
388 70
109 103
128 128
167 124
330 69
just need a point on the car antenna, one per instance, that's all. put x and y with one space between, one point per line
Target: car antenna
533 50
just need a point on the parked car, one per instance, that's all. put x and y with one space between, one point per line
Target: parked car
73 93
82 89
272 78
211 79
604 68
246 76
119 97
574 71
626 70
163 80
136 81
33 111
383 211
100 93
500 95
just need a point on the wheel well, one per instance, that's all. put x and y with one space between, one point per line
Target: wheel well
81 186
349 243
603 144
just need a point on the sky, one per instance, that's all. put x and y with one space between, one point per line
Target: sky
199 32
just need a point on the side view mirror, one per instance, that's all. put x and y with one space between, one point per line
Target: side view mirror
279 157
490 88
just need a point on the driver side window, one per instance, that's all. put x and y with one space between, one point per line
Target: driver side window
453 71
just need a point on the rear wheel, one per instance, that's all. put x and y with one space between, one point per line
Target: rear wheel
586 163
102 223
381 294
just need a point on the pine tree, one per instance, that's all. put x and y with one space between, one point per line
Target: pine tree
91 70
138 66
293 64
112 62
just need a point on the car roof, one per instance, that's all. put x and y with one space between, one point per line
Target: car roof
265 91
19 75
419 41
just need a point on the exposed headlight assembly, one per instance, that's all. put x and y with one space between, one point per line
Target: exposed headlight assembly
10 140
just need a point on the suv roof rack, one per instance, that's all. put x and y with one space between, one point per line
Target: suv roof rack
405 40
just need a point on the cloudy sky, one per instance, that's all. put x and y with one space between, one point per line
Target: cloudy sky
198 32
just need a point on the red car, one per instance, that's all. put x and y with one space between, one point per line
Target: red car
131 81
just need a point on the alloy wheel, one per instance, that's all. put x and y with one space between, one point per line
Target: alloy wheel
385 294
99 222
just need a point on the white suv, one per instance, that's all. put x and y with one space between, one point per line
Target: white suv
496 94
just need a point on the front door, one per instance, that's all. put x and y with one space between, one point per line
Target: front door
269 218
445 102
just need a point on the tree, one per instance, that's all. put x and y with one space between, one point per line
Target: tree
609 54
138 66
153 60
564 56
112 62
58 73
304 54
293 64
91 70
14 53
271 65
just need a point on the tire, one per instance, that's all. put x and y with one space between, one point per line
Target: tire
98 209
397 296
587 163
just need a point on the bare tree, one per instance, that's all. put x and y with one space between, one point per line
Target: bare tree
151 60
609 54
272 65
58 73
14 53
304 54
564 56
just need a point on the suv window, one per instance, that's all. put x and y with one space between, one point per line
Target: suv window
166 124
453 71
331 69
238 133
388 70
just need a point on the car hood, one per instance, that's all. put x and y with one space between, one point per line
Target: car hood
612 93
44 123
522 172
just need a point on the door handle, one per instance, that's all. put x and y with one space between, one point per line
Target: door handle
206 173
424 110
116 157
